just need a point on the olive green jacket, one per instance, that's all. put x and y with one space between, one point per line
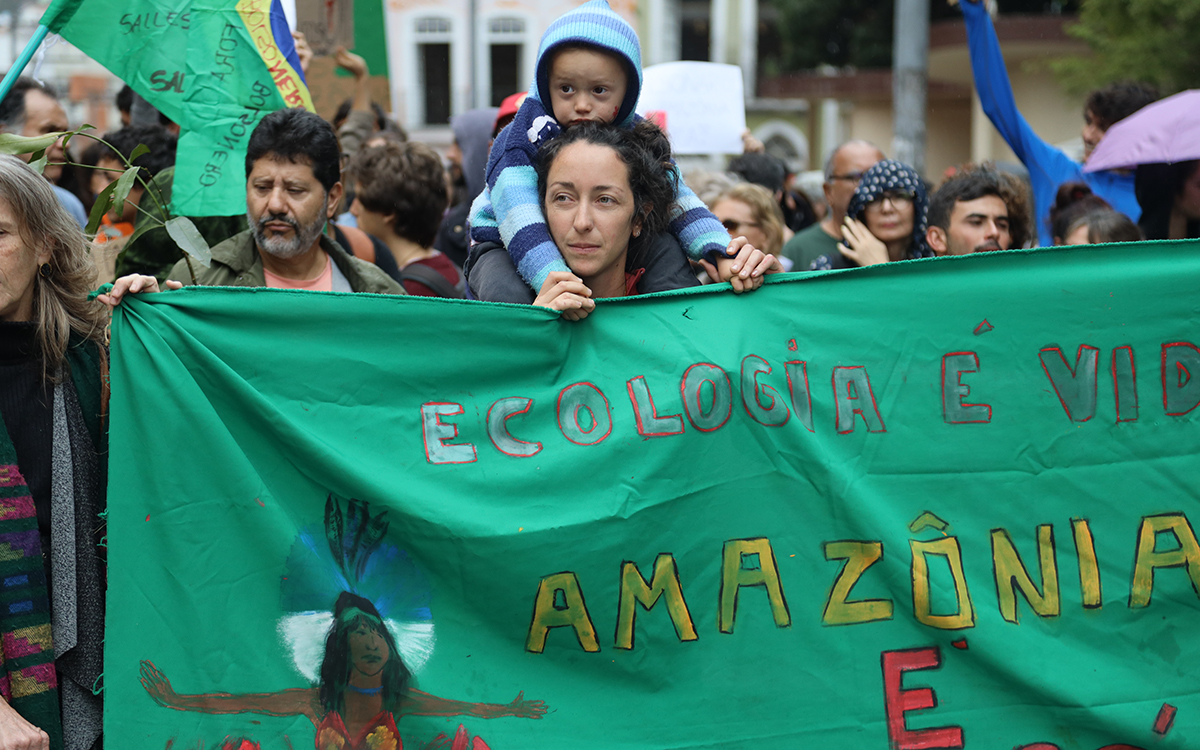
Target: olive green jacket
236 262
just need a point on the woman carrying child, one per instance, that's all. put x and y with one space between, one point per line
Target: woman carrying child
588 70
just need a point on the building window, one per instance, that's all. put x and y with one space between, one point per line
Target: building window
506 37
694 17
506 66
435 80
433 26
433 62
507 26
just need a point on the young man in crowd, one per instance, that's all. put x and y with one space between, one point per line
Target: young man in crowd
978 210
843 170
399 197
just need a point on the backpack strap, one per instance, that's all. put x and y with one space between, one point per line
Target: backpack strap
423 274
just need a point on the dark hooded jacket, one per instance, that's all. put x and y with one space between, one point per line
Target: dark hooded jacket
473 134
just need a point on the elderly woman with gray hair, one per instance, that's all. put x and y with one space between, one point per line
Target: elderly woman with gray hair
53 365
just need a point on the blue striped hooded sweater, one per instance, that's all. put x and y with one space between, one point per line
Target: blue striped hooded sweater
508 210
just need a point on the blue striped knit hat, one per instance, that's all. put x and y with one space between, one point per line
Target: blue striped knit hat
593 23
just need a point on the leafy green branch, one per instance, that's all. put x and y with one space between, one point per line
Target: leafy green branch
180 228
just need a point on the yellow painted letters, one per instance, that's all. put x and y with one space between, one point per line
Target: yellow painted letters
634 589
858 556
548 613
750 562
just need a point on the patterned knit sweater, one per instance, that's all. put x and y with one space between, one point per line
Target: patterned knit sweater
508 211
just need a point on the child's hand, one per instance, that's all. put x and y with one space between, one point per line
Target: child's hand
743 267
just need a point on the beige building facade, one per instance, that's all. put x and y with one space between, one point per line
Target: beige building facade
449 56
859 104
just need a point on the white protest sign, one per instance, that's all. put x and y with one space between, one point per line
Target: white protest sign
703 103
289 12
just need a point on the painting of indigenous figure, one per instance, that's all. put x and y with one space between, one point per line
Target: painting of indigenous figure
362 688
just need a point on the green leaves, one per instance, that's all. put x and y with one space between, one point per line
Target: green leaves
185 234
114 195
180 228
1155 41
71 134
101 206
11 143
37 162
125 183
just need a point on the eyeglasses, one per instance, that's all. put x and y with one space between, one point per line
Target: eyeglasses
734 226
895 197
854 177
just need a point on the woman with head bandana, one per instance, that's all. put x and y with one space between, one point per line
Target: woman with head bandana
885 221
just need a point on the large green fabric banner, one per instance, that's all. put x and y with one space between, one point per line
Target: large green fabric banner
936 504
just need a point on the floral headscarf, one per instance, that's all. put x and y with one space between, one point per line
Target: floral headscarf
890 174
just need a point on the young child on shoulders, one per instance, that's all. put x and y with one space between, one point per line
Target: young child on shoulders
588 68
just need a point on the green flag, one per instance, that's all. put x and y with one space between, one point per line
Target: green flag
935 504
214 68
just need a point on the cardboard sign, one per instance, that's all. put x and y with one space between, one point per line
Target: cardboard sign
328 24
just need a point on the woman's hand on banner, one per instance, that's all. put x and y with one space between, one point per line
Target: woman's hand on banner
18 734
133 284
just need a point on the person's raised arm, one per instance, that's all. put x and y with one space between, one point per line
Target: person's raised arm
295 702
303 50
360 123
995 89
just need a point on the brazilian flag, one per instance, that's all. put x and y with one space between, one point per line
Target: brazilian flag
215 67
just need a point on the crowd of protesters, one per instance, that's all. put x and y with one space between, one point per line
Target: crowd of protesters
557 198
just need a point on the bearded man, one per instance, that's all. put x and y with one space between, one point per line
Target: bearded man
293 187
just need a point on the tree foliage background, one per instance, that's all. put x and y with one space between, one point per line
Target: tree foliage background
1155 41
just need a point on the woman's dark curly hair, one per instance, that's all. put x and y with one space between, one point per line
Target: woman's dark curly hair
646 153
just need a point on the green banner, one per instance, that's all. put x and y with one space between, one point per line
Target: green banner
216 68
935 504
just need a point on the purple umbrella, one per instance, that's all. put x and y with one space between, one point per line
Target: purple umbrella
1165 131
